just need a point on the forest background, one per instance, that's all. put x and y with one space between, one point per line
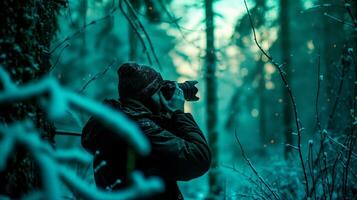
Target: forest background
277 83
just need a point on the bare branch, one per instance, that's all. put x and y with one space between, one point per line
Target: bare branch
138 23
60 100
276 196
135 29
53 172
58 57
81 30
292 99
349 11
97 76
339 20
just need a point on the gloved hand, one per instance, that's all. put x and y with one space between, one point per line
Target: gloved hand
176 102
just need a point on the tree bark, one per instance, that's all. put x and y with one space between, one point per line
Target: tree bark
26 31
211 96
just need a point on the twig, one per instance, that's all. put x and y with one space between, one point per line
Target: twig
352 133
96 76
58 57
310 163
353 18
174 21
138 22
134 28
291 146
345 62
323 5
340 144
349 167
339 20
292 99
53 172
81 30
276 196
249 178
318 122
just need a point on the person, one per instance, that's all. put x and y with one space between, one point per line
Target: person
179 151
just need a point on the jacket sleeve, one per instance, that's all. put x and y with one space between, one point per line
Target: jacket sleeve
181 153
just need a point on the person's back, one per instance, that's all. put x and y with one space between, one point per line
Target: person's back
179 149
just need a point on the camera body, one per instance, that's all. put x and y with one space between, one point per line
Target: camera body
188 87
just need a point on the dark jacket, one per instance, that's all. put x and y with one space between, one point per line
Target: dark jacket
179 151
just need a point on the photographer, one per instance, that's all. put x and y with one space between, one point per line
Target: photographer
179 150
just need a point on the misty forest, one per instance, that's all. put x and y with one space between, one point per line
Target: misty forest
277 88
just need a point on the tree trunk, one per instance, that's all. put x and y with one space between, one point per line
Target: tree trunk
261 9
262 110
26 31
133 40
211 98
331 48
83 7
286 51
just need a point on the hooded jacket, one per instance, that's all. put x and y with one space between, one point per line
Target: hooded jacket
179 151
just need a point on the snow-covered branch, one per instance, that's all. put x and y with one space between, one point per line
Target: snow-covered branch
57 100
60 100
53 172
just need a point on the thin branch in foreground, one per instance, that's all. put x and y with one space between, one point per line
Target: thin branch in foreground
292 99
53 171
276 196
59 100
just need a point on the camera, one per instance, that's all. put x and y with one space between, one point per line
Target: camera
188 87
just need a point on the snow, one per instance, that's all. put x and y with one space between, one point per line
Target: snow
51 162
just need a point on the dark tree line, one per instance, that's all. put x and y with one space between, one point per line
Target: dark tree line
26 31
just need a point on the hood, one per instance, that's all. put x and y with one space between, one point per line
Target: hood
94 131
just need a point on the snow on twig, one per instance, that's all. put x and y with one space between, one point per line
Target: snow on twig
53 172
61 99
